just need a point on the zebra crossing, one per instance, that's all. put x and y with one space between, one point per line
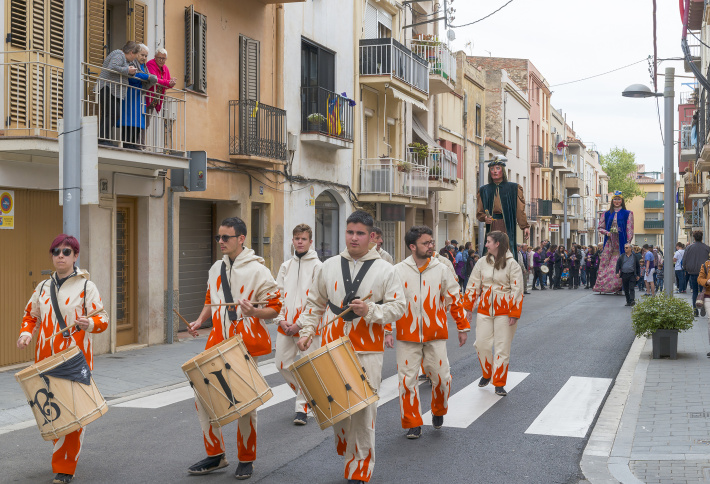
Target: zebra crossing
568 414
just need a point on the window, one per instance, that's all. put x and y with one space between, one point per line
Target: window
248 68
377 24
655 196
478 120
517 141
652 216
317 66
327 226
29 29
196 50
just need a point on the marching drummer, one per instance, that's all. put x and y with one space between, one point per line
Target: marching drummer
430 289
64 299
240 278
294 279
342 283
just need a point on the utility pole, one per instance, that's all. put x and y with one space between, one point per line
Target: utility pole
669 206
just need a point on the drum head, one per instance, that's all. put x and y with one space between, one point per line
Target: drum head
544 269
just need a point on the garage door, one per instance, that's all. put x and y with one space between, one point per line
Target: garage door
196 258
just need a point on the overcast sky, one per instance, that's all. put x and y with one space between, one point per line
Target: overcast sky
575 39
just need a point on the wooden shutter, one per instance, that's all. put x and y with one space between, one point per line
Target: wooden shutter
136 21
189 46
95 32
249 69
19 13
56 28
17 117
56 99
37 31
37 95
201 55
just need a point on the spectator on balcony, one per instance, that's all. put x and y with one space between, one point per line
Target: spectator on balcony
112 87
133 110
157 67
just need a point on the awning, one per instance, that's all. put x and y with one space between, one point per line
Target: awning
408 99
422 133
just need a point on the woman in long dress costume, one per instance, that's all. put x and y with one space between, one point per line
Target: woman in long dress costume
617 226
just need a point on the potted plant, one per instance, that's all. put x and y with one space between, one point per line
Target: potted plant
662 318
420 152
316 118
404 166
434 172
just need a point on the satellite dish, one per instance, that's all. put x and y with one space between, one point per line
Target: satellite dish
451 35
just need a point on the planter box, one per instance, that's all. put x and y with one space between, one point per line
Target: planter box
665 343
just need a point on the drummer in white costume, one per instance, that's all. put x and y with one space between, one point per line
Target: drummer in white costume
341 283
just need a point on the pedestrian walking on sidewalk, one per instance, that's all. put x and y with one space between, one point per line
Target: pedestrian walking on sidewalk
629 270
496 286
240 273
695 256
680 280
65 298
648 270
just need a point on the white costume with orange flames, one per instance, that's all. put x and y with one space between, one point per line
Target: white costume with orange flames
72 300
501 298
294 280
447 263
355 436
248 279
385 256
422 333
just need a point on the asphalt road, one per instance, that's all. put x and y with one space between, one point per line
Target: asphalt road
563 334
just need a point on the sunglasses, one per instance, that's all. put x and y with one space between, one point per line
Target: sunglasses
224 238
56 251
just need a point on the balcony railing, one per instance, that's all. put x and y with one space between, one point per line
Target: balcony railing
441 61
256 129
653 204
688 97
544 208
389 176
326 112
653 224
690 189
686 139
532 209
128 115
387 57
442 166
681 199
537 156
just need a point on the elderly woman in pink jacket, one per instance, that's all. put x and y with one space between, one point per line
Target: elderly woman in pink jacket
154 102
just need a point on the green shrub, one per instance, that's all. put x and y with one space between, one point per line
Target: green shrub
661 312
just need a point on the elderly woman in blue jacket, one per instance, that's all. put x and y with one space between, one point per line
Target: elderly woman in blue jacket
132 118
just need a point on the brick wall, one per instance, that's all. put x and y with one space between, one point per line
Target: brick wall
494 105
517 69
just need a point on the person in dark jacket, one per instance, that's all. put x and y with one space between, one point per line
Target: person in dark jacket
639 255
559 260
695 256
592 264
548 278
575 259
629 269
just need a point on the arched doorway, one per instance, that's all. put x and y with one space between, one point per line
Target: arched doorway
327 226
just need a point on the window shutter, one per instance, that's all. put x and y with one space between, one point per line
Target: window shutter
326 70
37 17
201 55
19 11
56 89
249 69
370 26
37 95
384 18
189 46
17 117
137 21
95 31
56 27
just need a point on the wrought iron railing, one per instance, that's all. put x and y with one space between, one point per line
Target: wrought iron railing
532 209
442 165
544 208
690 189
653 224
441 61
390 176
256 129
653 204
537 156
680 197
388 57
326 112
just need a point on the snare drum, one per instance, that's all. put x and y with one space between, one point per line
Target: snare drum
62 393
227 381
544 269
334 382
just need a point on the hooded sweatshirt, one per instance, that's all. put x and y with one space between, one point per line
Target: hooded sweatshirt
249 279
384 255
71 299
294 280
447 263
425 318
500 290
386 305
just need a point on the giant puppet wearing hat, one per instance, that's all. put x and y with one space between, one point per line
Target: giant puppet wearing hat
501 203
617 226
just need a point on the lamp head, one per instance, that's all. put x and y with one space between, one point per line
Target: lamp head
639 90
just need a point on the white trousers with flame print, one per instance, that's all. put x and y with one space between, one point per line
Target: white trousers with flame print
494 332
435 363
355 436
286 353
246 433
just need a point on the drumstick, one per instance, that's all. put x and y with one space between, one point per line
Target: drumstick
254 303
310 338
180 316
93 313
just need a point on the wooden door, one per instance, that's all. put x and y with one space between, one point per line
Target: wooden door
126 317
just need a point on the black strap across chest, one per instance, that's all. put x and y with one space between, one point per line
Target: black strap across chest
227 291
351 286
55 305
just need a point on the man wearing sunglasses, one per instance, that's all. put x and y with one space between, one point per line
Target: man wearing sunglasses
240 278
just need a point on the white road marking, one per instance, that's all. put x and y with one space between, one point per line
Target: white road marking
268 369
389 390
471 402
281 394
572 410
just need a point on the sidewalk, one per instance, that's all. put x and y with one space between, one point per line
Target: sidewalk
655 425
118 376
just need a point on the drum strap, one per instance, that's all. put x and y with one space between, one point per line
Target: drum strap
227 290
57 311
351 286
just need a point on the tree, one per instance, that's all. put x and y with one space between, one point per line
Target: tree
619 164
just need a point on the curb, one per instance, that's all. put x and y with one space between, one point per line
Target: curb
598 464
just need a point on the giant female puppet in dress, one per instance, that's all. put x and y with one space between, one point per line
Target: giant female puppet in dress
617 226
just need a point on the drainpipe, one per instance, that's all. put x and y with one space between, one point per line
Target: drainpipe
171 268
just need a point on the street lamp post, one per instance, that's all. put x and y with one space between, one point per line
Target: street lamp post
565 226
668 94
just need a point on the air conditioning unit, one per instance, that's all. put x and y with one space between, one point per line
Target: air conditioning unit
554 130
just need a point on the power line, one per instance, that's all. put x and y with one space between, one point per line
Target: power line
483 18
658 112
602 74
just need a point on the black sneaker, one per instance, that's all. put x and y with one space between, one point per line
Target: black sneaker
437 421
535 289
695 313
500 391
300 418
414 433
355 481
62 478
483 382
211 463
244 470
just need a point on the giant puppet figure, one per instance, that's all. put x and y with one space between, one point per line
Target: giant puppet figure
501 203
617 226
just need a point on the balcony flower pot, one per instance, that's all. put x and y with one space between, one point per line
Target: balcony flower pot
661 318
404 167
